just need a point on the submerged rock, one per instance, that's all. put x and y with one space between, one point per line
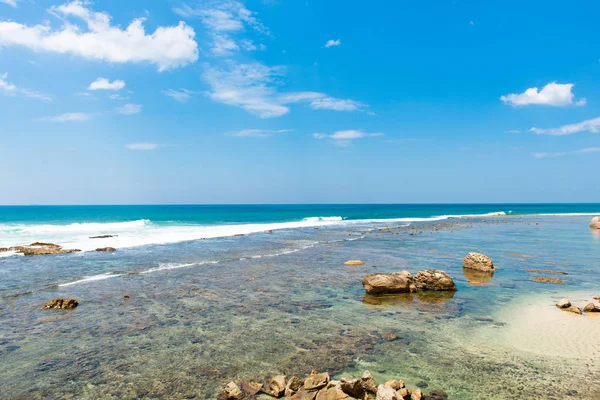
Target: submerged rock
591 307
353 263
564 303
397 282
434 280
478 262
231 391
595 223
61 304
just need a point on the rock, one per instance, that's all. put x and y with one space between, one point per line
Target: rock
294 384
106 249
394 384
230 392
332 392
251 388
103 236
398 282
434 279
478 262
61 304
277 385
416 394
564 303
573 309
353 263
591 307
316 381
595 223
386 393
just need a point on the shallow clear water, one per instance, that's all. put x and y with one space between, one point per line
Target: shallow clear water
205 312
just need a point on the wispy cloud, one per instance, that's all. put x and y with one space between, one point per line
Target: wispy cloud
333 43
223 19
586 150
129 109
167 47
10 2
142 146
12 90
345 138
68 117
254 87
181 95
553 94
105 84
257 132
590 125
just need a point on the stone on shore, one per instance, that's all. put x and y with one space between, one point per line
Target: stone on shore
591 307
397 282
478 262
434 280
106 249
564 303
62 304
231 391
353 263
595 223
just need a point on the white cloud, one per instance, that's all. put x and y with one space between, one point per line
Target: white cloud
129 109
142 146
257 132
590 125
105 84
12 90
222 19
566 153
344 138
333 43
10 2
168 47
181 95
68 117
254 87
553 94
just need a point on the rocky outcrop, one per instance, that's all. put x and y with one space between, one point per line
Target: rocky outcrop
62 304
318 386
478 262
404 282
40 249
595 223
353 263
434 279
397 282
106 249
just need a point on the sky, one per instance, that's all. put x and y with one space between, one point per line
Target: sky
299 101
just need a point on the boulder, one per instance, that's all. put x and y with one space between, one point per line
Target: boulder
386 393
106 249
591 307
231 391
564 303
316 381
62 304
353 263
277 385
595 223
397 282
478 262
434 279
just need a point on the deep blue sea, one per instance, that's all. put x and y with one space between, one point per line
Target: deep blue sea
245 292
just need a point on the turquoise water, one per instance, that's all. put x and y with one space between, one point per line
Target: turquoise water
204 312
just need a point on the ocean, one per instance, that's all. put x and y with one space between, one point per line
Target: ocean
221 293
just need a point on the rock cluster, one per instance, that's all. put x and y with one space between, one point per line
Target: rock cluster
404 282
595 223
478 262
40 249
62 304
319 386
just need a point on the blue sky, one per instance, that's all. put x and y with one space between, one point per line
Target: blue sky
306 101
